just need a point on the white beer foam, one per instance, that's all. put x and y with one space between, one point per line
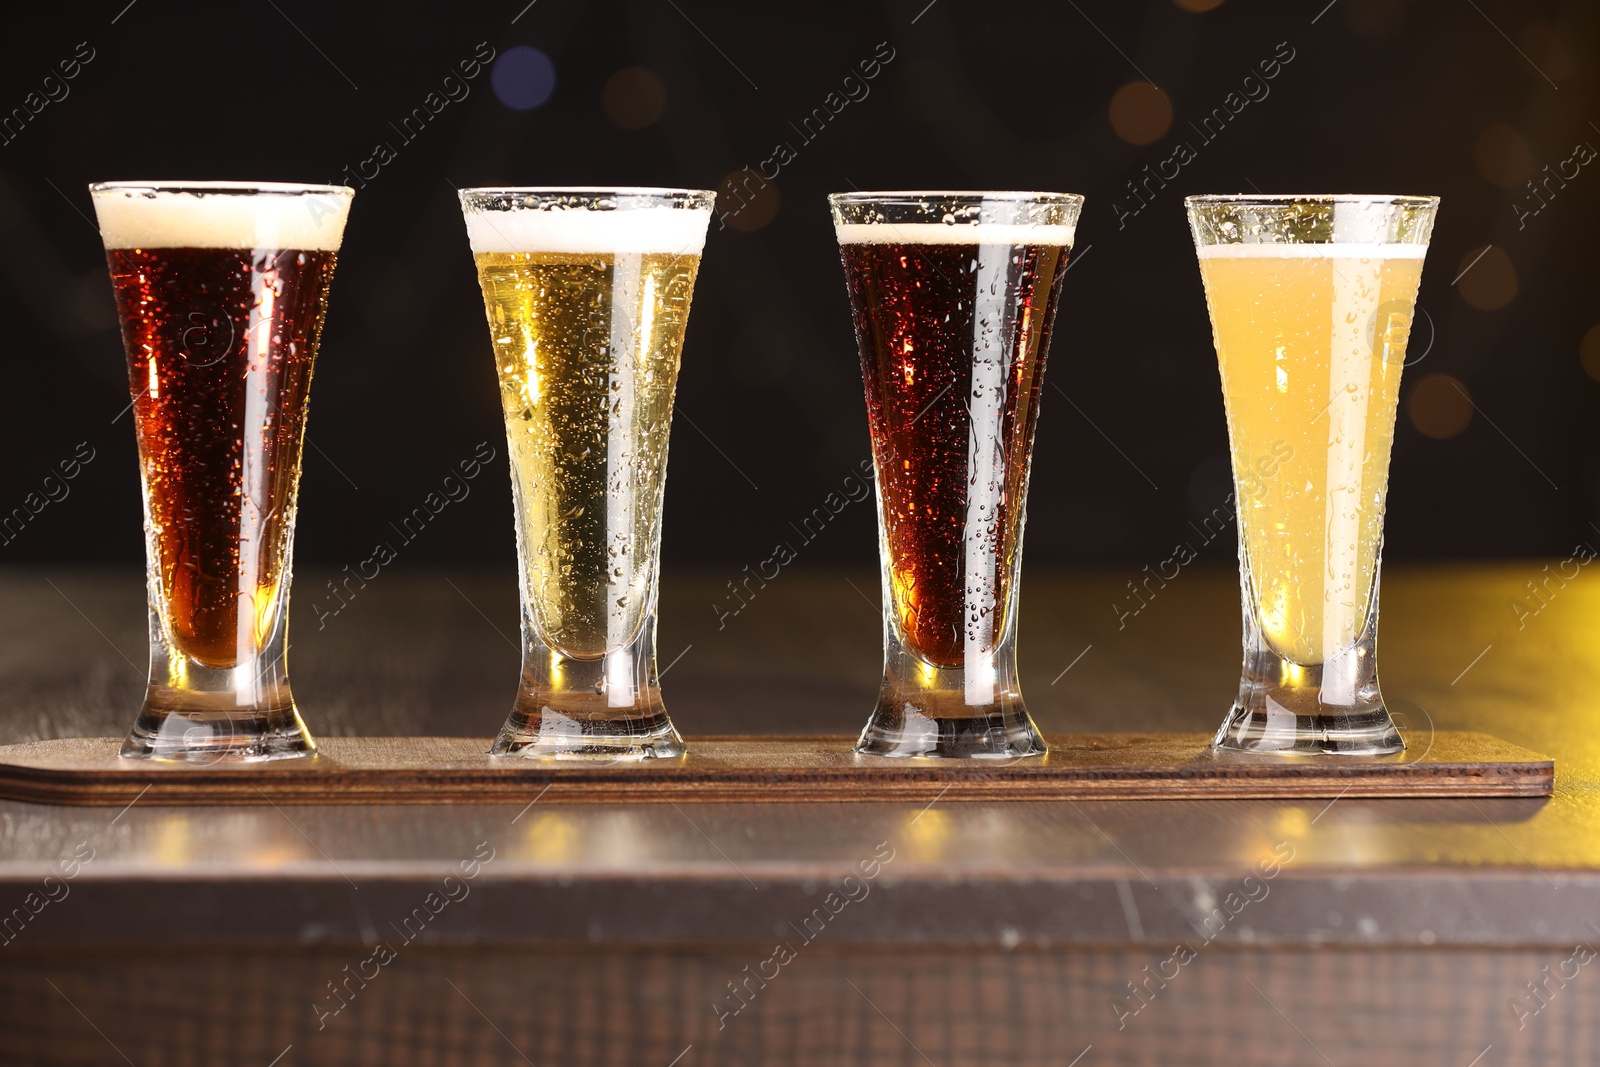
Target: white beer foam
582 231
939 233
133 216
1334 250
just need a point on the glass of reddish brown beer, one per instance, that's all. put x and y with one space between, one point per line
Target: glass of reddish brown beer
221 289
953 296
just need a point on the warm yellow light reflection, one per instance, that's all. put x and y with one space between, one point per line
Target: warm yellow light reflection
174 845
926 835
647 316
1291 822
274 856
530 382
265 602
1275 598
177 666
549 838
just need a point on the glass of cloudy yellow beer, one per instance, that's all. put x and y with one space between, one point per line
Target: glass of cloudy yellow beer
588 293
1311 299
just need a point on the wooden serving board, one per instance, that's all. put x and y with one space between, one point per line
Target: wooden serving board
458 770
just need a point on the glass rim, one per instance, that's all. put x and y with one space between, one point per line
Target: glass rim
224 187
872 196
1310 198
659 192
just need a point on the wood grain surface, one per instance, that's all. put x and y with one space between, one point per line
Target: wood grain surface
451 770
1397 931
826 1008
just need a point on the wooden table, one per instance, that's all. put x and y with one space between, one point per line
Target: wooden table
1159 932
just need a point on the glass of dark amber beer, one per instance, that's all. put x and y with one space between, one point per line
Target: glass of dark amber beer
221 290
953 296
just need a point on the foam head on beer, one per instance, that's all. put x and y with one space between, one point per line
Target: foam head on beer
219 215
954 233
582 230
945 218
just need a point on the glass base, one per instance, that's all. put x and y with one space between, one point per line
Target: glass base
1275 729
934 712
974 711
198 713
601 709
1328 708
223 736
550 734
1286 707
906 731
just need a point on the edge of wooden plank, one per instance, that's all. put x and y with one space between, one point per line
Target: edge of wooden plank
87 771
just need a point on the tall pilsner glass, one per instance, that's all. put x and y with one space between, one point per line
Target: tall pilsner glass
1311 300
588 295
221 289
953 296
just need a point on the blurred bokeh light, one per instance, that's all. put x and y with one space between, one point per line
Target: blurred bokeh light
1440 406
523 77
1489 280
633 98
1141 113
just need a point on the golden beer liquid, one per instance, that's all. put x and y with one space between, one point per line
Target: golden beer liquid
1311 340
587 346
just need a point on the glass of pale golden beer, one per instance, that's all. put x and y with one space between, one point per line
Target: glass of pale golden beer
1311 299
953 297
588 292
221 289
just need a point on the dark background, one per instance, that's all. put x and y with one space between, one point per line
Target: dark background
1465 99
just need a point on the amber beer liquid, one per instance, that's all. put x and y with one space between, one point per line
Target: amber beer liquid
222 293
953 322
587 294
